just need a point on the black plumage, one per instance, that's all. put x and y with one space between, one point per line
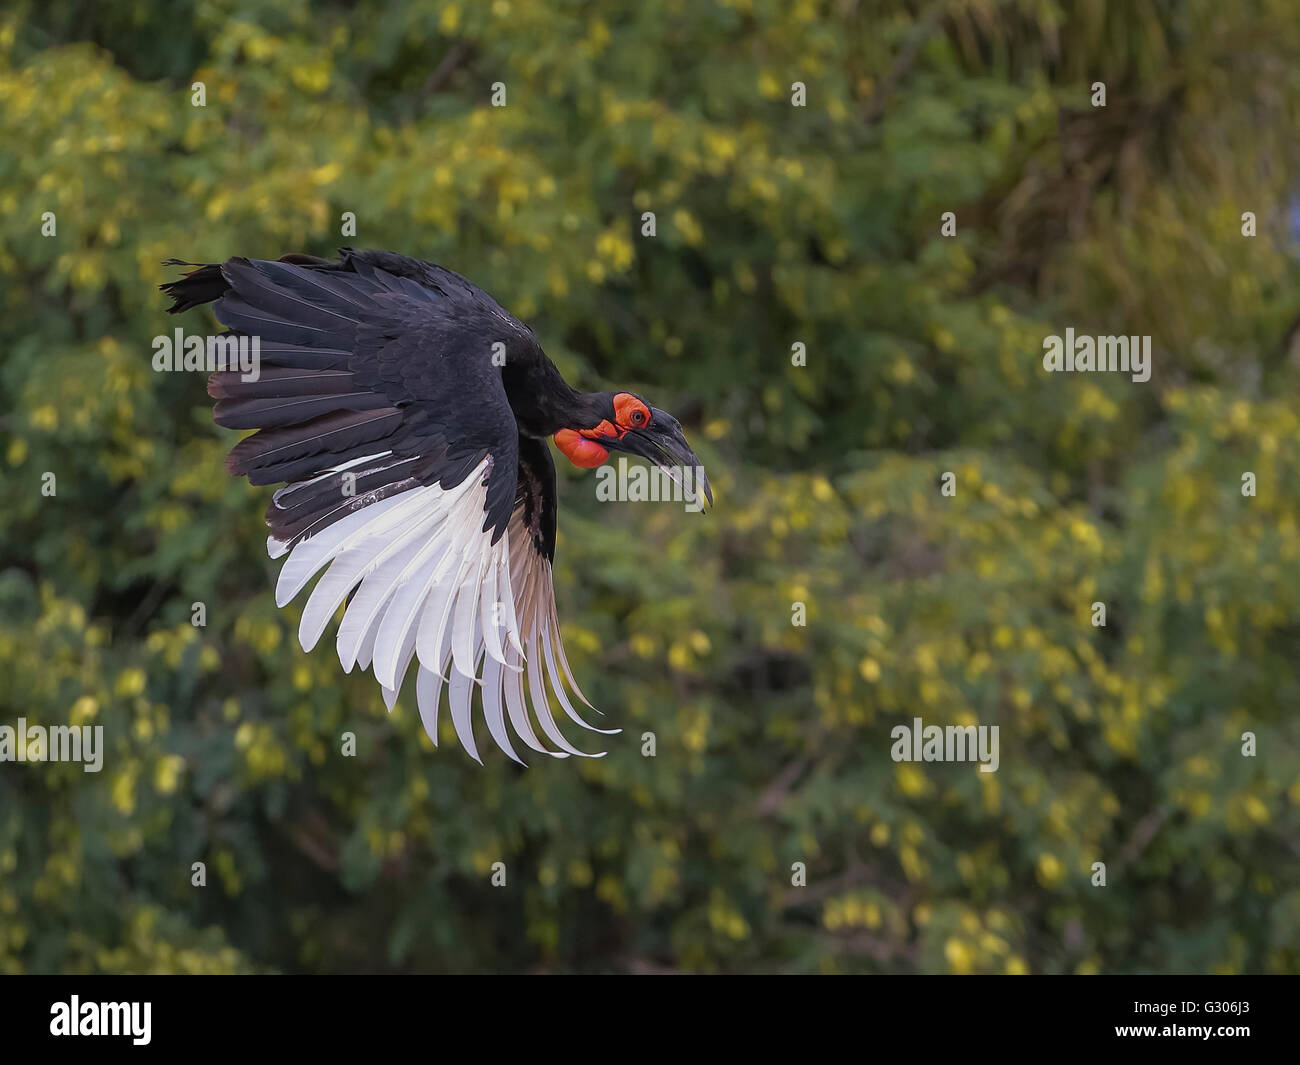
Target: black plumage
402 355
381 375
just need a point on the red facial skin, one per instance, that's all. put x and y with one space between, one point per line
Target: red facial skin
579 445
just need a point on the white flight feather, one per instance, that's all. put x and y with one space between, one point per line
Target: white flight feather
426 581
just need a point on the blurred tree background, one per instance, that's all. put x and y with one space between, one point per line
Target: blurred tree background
776 225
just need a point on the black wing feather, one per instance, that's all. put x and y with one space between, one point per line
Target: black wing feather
536 494
375 357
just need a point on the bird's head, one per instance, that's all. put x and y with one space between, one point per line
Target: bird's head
623 421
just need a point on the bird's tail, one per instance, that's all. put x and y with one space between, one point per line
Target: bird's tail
206 282
200 285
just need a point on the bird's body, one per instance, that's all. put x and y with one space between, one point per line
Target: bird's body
406 411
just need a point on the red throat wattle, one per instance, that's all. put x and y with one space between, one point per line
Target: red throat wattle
579 450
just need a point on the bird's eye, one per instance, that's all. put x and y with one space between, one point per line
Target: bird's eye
630 412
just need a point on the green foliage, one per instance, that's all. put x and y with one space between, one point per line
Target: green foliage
776 225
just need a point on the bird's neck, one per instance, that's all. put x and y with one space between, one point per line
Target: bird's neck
544 403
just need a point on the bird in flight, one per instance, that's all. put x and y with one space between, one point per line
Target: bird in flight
406 413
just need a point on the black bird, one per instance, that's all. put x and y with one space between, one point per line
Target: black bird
407 413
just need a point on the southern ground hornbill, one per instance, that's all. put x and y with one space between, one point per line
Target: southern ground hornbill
416 466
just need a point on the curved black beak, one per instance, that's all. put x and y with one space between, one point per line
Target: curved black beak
664 444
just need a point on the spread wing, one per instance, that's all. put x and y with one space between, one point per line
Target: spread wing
379 403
